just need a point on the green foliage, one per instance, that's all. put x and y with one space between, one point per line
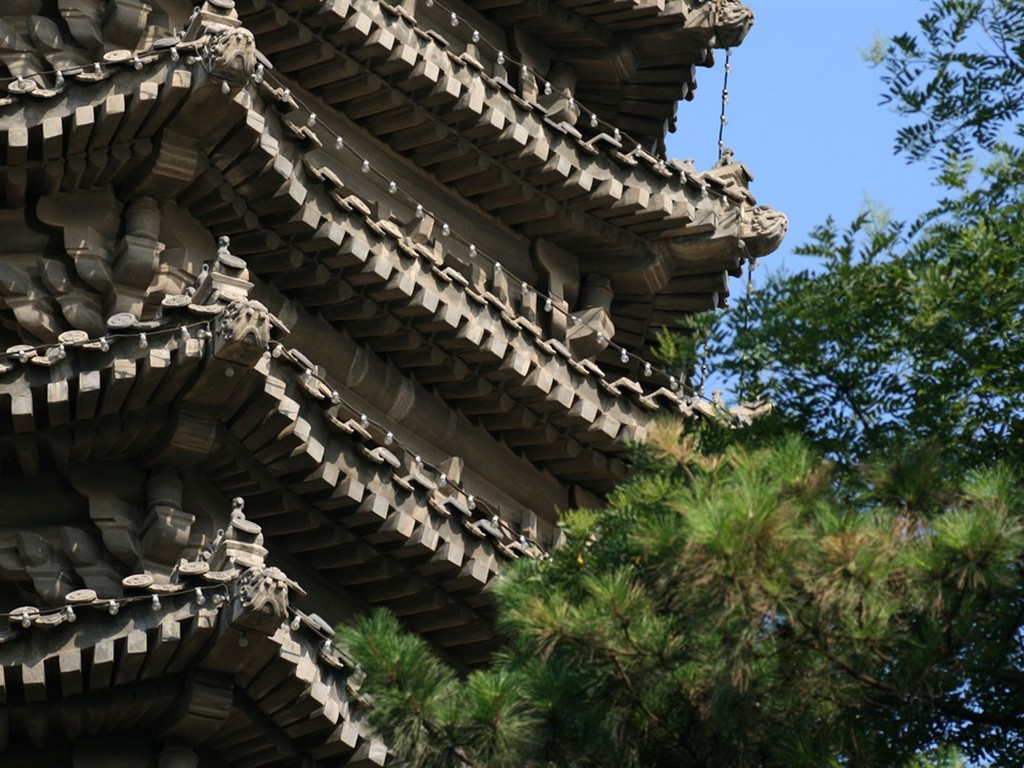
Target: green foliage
822 346
946 757
913 334
683 349
962 77
904 336
434 720
738 609
413 691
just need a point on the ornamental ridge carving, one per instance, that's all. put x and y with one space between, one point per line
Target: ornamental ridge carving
734 20
764 230
242 332
231 47
262 600
233 54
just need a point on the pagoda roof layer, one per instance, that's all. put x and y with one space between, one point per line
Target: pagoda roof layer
339 496
476 339
634 59
645 222
160 663
636 217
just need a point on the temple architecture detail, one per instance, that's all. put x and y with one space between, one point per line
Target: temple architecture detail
312 306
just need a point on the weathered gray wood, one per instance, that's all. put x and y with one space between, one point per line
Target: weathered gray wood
33 681
70 666
131 656
101 667
161 647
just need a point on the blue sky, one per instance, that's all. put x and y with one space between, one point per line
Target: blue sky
804 115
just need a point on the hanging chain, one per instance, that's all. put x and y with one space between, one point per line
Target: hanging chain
745 358
725 100
723 159
703 367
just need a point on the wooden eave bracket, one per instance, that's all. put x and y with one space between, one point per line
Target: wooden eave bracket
662 393
438 38
625 158
603 138
627 383
526 105
655 167
482 298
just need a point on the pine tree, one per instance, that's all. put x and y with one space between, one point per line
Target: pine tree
736 609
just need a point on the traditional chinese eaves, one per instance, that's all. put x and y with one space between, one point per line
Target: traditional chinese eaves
633 59
310 307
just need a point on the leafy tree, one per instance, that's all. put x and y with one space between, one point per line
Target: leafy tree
914 333
960 80
902 338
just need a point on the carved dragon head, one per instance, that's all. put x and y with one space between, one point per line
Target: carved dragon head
233 54
242 332
262 600
734 20
764 229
